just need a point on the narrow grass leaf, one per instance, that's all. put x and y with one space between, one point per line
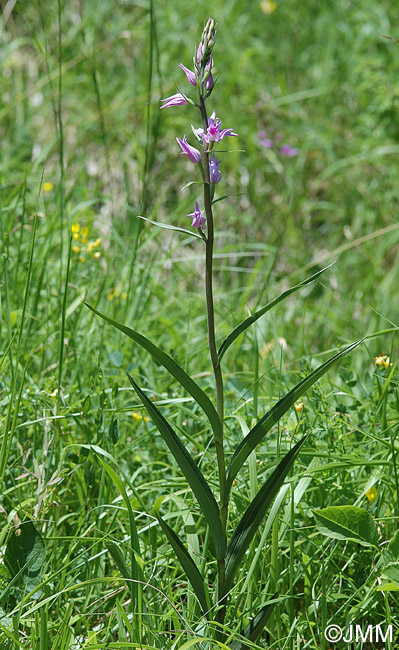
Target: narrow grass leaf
349 523
175 370
254 628
252 518
189 567
190 470
264 425
252 319
135 571
167 226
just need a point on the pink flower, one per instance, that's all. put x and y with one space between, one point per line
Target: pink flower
264 141
187 150
174 100
214 133
198 219
209 82
215 175
189 74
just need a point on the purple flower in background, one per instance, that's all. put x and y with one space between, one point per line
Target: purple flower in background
264 141
187 150
289 151
198 219
174 100
215 175
214 133
189 74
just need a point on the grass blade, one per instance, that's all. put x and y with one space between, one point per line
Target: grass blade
188 564
252 319
253 630
251 519
190 470
175 370
136 573
264 425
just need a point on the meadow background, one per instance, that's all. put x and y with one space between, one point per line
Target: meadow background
84 150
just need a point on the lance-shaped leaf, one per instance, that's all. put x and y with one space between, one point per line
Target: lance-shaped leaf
264 425
252 319
190 470
173 368
251 519
167 226
253 630
188 564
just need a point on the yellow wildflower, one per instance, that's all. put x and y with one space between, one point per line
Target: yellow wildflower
75 228
111 296
382 361
93 244
268 6
137 416
371 494
97 255
298 407
47 186
84 231
82 259
76 249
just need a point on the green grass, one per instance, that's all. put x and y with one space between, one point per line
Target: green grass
82 113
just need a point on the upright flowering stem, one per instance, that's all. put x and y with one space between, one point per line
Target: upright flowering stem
212 346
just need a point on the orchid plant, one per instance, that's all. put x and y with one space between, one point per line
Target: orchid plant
229 546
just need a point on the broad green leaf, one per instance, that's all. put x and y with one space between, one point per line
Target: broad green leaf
264 425
254 628
252 518
349 523
189 567
252 319
167 226
190 470
175 370
25 555
391 572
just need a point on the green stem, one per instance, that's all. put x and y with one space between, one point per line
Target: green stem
213 352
